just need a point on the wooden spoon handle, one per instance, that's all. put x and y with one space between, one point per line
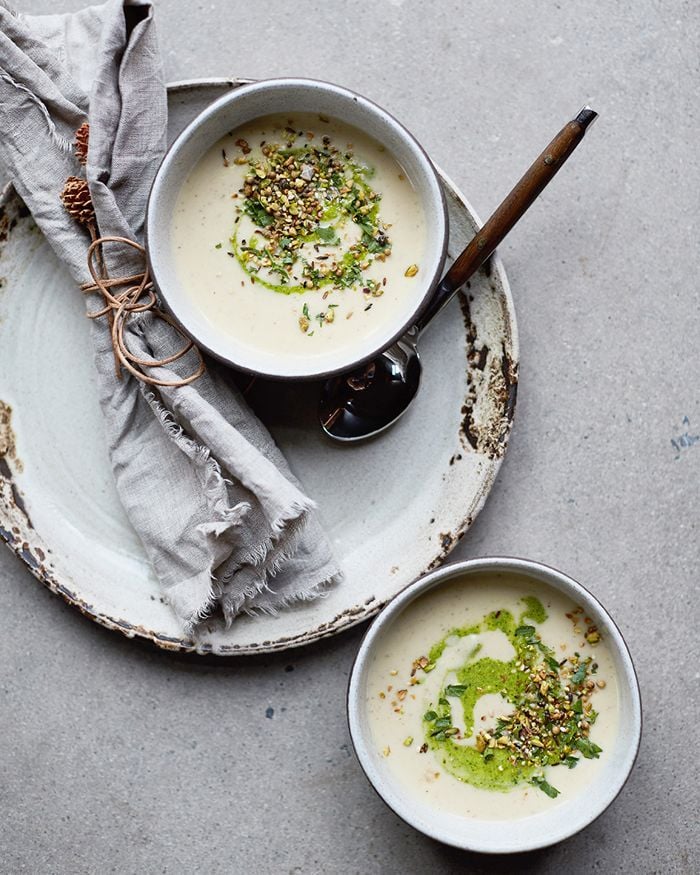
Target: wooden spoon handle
516 204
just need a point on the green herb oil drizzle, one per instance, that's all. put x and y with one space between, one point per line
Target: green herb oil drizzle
552 715
300 199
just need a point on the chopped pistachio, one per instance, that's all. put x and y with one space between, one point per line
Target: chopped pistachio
300 194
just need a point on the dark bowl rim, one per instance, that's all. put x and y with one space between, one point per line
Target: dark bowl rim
466 565
223 101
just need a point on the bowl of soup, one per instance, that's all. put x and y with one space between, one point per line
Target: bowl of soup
494 706
295 229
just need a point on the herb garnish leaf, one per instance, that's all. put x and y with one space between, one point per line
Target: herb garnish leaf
588 748
455 689
552 663
258 213
579 675
327 235
545 787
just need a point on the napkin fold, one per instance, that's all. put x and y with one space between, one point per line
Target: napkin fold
221 516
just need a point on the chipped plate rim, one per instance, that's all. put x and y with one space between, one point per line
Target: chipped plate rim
350 616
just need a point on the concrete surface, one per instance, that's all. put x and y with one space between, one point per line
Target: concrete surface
116 758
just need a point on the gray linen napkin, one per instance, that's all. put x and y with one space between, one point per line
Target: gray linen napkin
219 512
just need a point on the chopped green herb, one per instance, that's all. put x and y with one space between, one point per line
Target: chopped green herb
327 235
552 663
455 690
218 246
588 748
570 762
430 716
525 631
545 787
579 675
258 213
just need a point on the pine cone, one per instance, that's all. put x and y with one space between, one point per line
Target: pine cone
82 135
76 199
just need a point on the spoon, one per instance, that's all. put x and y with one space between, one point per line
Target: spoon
368 400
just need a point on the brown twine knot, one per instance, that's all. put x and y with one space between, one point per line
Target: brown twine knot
137 294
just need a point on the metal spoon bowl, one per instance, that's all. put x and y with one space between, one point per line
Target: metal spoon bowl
371 398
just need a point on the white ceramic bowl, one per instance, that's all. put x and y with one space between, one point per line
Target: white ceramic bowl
498 836
289 96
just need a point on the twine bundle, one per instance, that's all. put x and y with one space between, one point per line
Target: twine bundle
123 296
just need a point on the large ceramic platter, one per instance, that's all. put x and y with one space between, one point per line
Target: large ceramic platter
394 507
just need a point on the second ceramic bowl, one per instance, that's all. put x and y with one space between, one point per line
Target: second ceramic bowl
496 833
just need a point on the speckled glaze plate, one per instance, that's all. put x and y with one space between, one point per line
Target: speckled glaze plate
394 507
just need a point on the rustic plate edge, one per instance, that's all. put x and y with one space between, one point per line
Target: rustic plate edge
351 616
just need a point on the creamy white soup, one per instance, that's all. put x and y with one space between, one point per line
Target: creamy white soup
298 233
493 697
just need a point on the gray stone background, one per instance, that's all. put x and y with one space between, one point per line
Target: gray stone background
118 758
